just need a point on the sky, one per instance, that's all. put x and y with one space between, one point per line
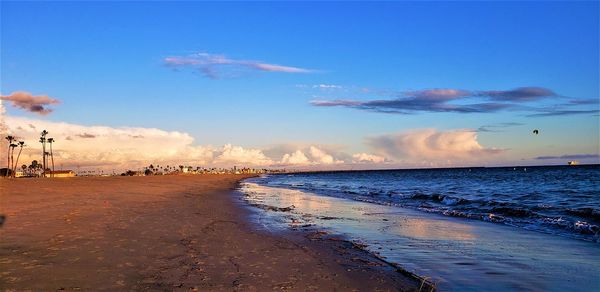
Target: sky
318 85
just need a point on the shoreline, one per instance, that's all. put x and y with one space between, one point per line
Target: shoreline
337 243
165 233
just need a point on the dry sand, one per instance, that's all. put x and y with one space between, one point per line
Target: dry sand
164 233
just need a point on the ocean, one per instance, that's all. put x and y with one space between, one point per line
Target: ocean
508 228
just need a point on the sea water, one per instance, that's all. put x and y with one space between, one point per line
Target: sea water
517 228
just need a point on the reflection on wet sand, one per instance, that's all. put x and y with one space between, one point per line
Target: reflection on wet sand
433 229
324 207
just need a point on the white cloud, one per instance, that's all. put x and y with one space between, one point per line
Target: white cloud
295 158
321 157
216 66
327 86
2 122
2 110
309 156
432 146
367 158
238 155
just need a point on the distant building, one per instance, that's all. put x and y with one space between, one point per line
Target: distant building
60 173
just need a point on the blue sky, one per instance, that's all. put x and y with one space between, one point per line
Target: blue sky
105 62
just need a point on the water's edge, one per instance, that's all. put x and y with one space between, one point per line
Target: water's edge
313 232
568 206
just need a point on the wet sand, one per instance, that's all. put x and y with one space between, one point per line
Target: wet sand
165 233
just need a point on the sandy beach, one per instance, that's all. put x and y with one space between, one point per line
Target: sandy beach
165 233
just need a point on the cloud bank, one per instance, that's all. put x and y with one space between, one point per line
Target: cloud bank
217 66
100 146
432 147
310 156
520 94
32 103
498 127
230 154
367 158
570 157
562 112
463 101
79 146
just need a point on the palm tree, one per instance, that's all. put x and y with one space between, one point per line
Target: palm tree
10 140
21 145
43 141
46 155
50 141
12 147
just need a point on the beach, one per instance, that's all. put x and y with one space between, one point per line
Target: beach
185 232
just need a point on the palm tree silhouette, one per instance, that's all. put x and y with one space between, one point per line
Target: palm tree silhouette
50 141
10 140
21 144
43 141
12 147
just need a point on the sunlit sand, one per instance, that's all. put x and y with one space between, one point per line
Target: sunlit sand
163 233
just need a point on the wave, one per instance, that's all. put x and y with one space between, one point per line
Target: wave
581 223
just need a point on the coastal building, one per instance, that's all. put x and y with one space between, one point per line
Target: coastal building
60 173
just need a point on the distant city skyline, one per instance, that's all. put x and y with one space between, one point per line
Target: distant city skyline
303 85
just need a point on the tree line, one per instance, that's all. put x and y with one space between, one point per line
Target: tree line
47 156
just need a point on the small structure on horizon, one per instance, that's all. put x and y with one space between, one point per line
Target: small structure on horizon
60 173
